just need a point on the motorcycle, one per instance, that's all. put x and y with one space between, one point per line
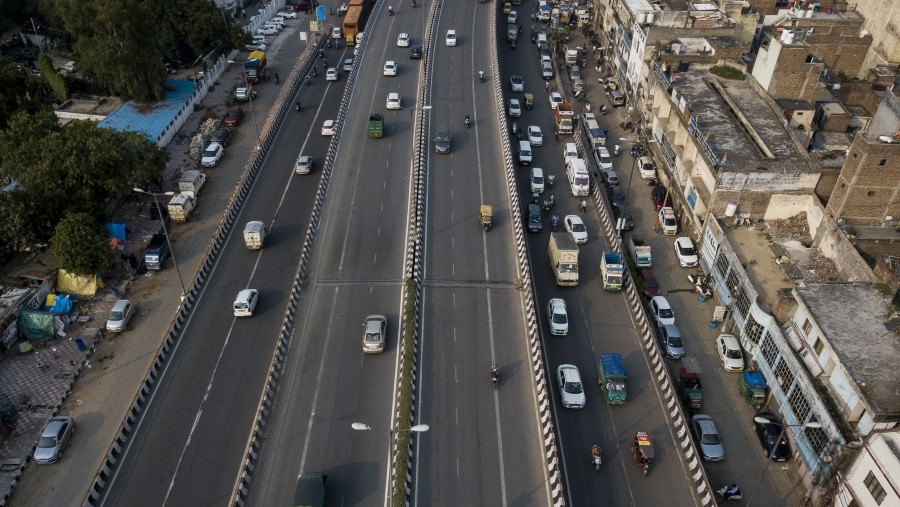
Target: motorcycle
414 4
297 105
495 376
723 492
552 200
616 150
480 76
308 82
596 458
547 206
468 122
514 128
315 72
550 180
554 222
390 10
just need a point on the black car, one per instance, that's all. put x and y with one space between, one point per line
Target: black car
535 222
221 136
415 52
616 196
768 432
628 218
442 140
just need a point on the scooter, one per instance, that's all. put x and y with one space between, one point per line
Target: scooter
390 10
547 206
480 76
550 180
315 72
735 496
495 376
468 122
554 222
596 459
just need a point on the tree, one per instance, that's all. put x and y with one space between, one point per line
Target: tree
78 168
116 42
80 244
194 28
20 90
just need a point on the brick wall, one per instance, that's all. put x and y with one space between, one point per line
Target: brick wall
868 188
794 78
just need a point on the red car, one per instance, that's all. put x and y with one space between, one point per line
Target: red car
651 286
233 116
660 197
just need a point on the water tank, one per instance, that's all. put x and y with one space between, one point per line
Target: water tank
731 209
642 18
651 18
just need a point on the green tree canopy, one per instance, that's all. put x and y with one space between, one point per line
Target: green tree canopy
78 168
80 244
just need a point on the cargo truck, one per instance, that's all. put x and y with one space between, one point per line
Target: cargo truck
376 125
612 378
191 182
181 206
612 270
579 179
639 250
690 390
157 252
255 66
565 118
564 259
255 235
310 490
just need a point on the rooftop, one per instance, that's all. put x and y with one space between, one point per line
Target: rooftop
151 119
742 128
854 319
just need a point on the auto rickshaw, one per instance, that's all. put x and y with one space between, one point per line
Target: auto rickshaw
529 100
487 216
642 450
507 7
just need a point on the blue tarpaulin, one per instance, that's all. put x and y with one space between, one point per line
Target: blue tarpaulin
62 304
117 231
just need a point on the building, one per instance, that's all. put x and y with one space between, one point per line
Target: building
867 192
882 17
871 480
786 68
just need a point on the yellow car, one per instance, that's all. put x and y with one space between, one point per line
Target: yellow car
507 8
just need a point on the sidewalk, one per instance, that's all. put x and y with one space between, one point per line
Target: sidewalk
115 365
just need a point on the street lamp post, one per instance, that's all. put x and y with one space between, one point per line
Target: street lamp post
250 99
784 427
419 428
620 223
165 233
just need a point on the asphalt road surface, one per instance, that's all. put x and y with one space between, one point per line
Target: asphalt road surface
196 428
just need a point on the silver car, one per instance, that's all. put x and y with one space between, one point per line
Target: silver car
374 337
54 439
707 436
570 388
121 313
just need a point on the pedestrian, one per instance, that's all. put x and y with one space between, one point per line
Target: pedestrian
584 205
244 13
532 17
556 133
605 132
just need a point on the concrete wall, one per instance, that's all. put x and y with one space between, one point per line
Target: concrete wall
833 243
878 458
882 21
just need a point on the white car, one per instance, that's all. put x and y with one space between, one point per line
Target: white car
603 158
668 222
450 40
570 388
645 165
570 151
331 74
390 68
304 164
517 83
575 226
515 108
512 17
555 100
557 317
212 155
288 14
348 64
687 254
730 351
393 101
535 137
278 19
268 30
546 70
245 302
256 46
661 311
403 40
328 128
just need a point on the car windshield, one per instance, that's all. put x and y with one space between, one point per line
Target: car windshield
46 442
240 306
666 313
577 227
686 250
710 439
568 268
210 152
560 318
373 337
116 315
442 137
675 341
732 354
671 221
538 180
605 158
573 387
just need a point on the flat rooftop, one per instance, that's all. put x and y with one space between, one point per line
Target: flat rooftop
742 128
854 318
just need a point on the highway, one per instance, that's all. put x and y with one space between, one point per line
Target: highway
356 270
485 444
196 427
599 322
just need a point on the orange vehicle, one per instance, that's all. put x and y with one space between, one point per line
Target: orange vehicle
351 23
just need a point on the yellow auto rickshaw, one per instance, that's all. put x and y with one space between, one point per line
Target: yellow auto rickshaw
487 216
529 100
507 8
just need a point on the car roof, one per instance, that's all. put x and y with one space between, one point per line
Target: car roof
52 427
730 340
119 304
245 294
661 302
570 371
684 241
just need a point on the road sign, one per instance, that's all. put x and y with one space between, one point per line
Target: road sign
320 13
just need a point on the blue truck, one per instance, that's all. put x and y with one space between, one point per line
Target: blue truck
157 252
612 378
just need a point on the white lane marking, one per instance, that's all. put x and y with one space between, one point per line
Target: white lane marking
496 403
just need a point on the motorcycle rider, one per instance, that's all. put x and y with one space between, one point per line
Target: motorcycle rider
390 10
276 77
481 76
616 150
308 82
583 205
414 3
554 222
731 491
468 121
595 453
298 104
495 372
552 200
315 72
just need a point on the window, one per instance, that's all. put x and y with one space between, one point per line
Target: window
797 401
770 352
753 330
785 377
722 263
818 346
742 301
875 488
807 327
882 162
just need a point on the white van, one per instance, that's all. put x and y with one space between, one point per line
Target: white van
542 38
245 303
524 153
593 130
537 180
570 151
579 179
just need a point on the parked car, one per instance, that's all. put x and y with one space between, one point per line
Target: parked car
687 254
233 116
626 216
517 83
661 311
603 158
708 440
557 317
121 313
221 136
287 14
375 333
667 221
730 352
54 438
768 433
571 390
212 155
575 226
660 197
651 285
670 341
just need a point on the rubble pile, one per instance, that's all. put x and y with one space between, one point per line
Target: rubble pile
817 268
795 227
